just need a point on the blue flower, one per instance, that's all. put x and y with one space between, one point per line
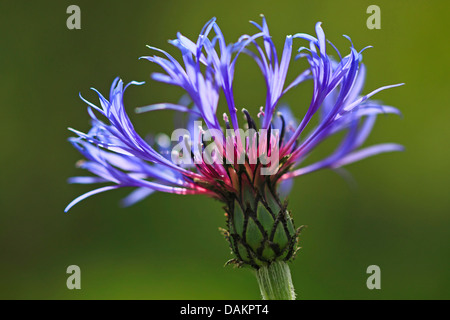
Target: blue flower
231 168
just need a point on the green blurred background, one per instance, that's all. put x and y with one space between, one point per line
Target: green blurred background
169 247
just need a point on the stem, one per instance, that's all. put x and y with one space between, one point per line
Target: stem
275 281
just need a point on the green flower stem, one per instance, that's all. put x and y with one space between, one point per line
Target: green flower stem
275 281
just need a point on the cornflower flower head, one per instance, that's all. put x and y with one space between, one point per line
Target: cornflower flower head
242 160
